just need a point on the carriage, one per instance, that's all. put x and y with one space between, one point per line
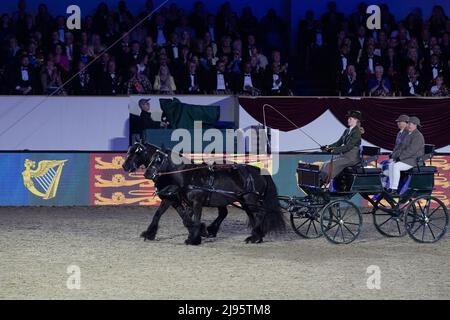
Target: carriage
329 211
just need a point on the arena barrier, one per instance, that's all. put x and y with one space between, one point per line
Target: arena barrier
96 179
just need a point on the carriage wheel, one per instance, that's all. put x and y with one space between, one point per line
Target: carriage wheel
426 219
388 221
306 222
341 221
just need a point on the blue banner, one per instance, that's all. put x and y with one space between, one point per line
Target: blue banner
44 179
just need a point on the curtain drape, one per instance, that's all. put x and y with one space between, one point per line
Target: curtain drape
379 115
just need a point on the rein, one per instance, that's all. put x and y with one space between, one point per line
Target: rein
159 174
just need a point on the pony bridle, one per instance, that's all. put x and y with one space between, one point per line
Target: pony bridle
157 154
140 151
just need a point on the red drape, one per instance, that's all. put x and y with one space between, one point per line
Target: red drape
379 115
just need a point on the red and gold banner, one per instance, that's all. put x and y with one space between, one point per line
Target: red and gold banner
111 185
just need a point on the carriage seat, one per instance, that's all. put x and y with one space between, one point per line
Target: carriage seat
421 167
367 155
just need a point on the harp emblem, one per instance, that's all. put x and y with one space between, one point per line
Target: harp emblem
42 181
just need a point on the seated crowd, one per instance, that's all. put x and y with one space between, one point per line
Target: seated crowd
410 57
173 52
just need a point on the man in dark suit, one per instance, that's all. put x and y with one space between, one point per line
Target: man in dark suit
433 69
160 32
191 82
173 47
405 157
276 82
81 85
359 43
111 80
248 82
349 84
412 84
219 81
369 61
24 79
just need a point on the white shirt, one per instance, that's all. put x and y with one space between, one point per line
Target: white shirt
435 72
211 32
61 34
371 65
25 76
160 39
192 80
344 63
319 41
140 68
175 52
69 51
361 41
411 86
276 86
220 82
248 81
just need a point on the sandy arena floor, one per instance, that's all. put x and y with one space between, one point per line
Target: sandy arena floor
38 244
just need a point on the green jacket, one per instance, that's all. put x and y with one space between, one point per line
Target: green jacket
347 141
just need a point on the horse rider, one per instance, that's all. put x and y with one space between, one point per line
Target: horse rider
402 124
346 148
405 156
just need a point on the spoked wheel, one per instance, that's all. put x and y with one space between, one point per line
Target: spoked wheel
341 221
388 217
306 222
426 219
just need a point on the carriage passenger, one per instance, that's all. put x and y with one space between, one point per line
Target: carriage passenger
402 124
406 156
346 148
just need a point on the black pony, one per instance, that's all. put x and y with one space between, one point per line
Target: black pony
218 186
140 155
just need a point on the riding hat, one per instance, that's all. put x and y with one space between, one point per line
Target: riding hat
415 120
354 114
402 118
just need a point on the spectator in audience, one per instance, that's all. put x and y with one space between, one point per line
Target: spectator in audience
439 89
350 85
81 84
24 78
111 80
219 80
178 35
379 85
137 83
160 32
173 47
208 62
433 69
343 59
248 82
164 82
276 82
51 78
261 59
369 61
191 82
412 84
